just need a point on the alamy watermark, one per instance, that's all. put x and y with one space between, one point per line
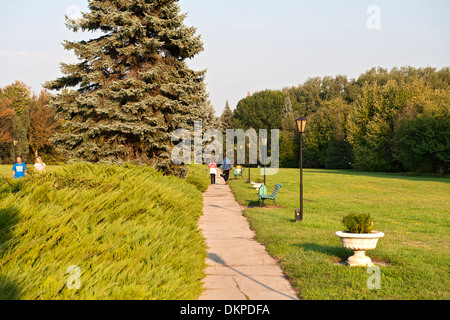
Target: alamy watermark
374 19
374 281
73 17
199 146
74 279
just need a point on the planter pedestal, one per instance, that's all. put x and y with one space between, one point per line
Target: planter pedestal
359 243
359 259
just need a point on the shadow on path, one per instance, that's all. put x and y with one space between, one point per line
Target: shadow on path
214 257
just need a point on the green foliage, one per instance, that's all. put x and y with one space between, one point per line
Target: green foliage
198 176
18 97
226 119
288 148
259 180
132 232
261 110
326 124
364 113
339 155
423 144
26 117
132 87
358 223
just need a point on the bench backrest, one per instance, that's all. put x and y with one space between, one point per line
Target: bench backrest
262 191
276 189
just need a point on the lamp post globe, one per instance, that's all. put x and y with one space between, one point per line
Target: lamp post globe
15 144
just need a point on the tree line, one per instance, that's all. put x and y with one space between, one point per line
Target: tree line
132 88
26 117
384 120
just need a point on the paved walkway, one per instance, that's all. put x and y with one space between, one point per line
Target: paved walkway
239 268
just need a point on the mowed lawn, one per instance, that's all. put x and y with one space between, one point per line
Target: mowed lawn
413 212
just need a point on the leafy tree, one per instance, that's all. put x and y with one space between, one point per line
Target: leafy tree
262 110
322 127
16 97
372 125
132 87
6 115
423 144
43 124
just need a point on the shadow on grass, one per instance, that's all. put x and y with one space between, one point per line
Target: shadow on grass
8 219
8 290
332 251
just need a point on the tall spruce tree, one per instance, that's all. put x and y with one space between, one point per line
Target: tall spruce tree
132 87
226 119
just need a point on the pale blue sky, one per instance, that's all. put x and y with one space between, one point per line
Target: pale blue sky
250 45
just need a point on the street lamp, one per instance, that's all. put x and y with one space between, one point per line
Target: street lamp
301 125
15 144
264 143
248 146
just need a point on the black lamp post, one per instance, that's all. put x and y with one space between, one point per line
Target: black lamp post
301 125
264 143
248 146
15 144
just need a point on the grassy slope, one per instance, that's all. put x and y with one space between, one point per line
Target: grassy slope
413 212
131 231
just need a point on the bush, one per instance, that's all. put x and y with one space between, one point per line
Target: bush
358 223
131 230
423 144
198 176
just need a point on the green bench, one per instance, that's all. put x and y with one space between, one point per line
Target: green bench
238 173
262 194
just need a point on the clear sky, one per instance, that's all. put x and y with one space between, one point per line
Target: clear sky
250 45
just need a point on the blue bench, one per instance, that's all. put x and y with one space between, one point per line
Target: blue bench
262 194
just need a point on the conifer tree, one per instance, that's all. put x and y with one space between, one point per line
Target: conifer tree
226 119
132 87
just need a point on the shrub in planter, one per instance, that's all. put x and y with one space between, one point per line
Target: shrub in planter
358 223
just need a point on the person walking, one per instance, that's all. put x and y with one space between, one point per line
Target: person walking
39 166
19 169
226 167
212 171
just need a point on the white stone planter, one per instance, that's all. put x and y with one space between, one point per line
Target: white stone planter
359 243
257 185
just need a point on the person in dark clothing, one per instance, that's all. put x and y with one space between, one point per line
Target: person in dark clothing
226 167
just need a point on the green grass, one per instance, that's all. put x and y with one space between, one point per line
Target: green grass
132 232
413 212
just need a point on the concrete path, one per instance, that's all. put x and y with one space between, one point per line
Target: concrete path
239 268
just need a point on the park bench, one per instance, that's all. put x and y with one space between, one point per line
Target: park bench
262 194
238 172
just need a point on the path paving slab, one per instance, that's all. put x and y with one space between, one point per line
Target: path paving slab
238 267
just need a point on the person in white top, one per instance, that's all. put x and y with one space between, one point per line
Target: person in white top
39 166
212 171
